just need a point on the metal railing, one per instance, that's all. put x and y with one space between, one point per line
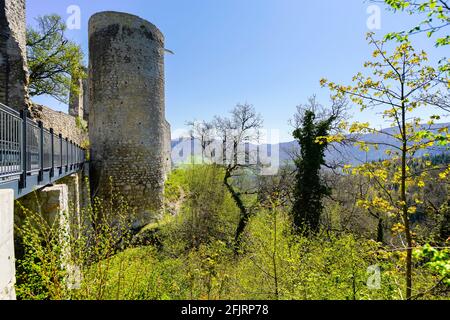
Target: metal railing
27 148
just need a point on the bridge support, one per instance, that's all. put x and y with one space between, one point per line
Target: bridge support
56 211
76 202
7 260
59 205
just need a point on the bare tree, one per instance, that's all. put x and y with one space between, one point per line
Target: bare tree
337 111
203 131
236 132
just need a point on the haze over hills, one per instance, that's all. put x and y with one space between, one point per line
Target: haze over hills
337 153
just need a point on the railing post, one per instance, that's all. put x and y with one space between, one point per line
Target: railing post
23 174
67 154
76 156
41 151
61 160
71 155
52 170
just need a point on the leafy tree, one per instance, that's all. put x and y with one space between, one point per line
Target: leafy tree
53 60
309 188
437 20
399 81
437 260
437 14
444 230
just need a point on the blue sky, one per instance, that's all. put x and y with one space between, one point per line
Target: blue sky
269 53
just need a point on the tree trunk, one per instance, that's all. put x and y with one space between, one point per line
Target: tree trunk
405 204
380 232
244 216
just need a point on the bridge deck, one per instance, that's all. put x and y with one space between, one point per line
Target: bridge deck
31 156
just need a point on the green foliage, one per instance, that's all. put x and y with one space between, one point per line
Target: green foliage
437 18
325 266
401 84
200 206
39 273
81 124
437 260
274 263
56 247
54 61
309 188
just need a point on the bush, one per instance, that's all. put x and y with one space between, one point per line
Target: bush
194 258
56 255
200 207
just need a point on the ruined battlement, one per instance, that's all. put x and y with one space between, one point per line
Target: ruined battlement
107 20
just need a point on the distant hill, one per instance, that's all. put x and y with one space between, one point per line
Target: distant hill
336 153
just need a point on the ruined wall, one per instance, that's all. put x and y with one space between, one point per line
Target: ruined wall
127 127
76 101
13 64
85 99
61 123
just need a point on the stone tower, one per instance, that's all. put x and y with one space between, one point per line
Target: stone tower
13 62
129 135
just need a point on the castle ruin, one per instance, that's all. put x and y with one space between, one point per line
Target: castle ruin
13 62
123 102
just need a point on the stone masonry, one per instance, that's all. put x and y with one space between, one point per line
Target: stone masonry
85 99
62 123
76 101
129 135
13 64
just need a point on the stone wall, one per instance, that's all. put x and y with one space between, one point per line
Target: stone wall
13 64
128 131
62 123
85 99
76 101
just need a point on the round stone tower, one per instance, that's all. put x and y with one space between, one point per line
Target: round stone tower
129 135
